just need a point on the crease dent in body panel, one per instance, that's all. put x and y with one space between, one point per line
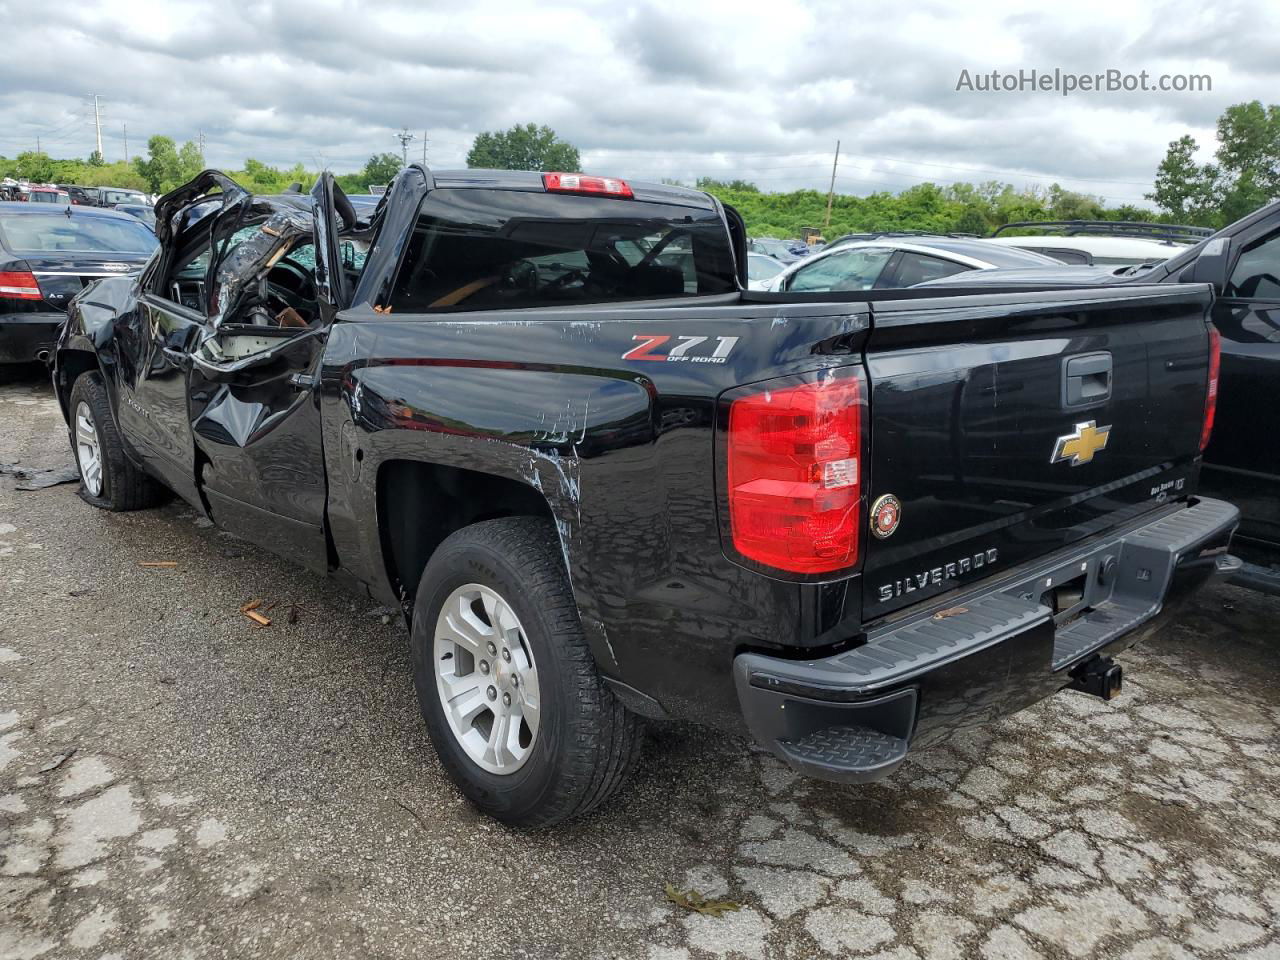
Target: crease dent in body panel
238 418
567 473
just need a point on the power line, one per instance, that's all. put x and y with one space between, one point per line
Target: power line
1007 173
891 178
63 126
799 181
707 153
866 156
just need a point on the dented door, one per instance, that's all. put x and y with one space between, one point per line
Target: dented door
256 424
169 317
256 417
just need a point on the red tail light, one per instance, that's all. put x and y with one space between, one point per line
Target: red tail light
1211 394
795 474
19 286
579 183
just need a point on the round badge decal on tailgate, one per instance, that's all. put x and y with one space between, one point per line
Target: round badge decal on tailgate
885 514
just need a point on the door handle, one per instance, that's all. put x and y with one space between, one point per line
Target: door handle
303 381
1086 379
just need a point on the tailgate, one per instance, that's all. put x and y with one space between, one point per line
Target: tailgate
1005 426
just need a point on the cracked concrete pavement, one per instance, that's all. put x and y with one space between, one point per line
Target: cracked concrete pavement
176 782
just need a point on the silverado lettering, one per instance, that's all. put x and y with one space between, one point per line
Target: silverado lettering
936 575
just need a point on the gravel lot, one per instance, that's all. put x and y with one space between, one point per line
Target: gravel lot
176 782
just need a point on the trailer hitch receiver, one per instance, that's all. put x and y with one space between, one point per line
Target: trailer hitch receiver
1098 676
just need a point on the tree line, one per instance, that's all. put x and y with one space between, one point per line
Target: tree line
166 166
1243 175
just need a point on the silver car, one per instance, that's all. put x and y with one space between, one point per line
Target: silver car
891 262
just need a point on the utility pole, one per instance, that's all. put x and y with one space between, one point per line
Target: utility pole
37 143
405 137
831 191
200 145
97 126
424 148
126 142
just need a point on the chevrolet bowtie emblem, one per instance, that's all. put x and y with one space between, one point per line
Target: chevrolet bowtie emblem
1080 446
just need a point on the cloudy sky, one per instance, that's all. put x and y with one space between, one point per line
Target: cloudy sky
760 91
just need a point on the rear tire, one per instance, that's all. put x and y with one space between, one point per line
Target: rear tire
583 742
107 479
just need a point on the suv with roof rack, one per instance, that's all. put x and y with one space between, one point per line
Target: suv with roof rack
1121 244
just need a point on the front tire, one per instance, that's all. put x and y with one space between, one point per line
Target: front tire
107 479
515 706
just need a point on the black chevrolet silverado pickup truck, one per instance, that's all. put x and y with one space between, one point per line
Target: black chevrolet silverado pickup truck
540 415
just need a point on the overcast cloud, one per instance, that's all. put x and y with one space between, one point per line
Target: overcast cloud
646 90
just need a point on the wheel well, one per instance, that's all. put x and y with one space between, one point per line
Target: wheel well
420 504
71 364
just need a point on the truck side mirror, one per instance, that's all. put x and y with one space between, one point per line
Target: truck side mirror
1212 266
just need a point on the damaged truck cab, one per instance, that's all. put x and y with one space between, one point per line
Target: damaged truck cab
540 415
201 356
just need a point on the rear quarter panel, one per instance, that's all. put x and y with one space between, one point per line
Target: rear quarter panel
622 450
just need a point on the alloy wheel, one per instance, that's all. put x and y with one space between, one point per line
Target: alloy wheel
487 679
88 450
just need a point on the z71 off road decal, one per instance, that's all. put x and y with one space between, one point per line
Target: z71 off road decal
685 350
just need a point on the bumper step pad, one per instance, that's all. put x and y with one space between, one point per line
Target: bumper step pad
904 650
1094 629
860 750
1148 557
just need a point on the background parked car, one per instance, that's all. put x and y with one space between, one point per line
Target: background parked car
143 211
780 250
898 235
81 196
761 269
1116 244
47 255
48 195
110 196
891 262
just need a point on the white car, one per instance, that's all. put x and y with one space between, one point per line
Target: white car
762 268
1116 252
891 262
1116 245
